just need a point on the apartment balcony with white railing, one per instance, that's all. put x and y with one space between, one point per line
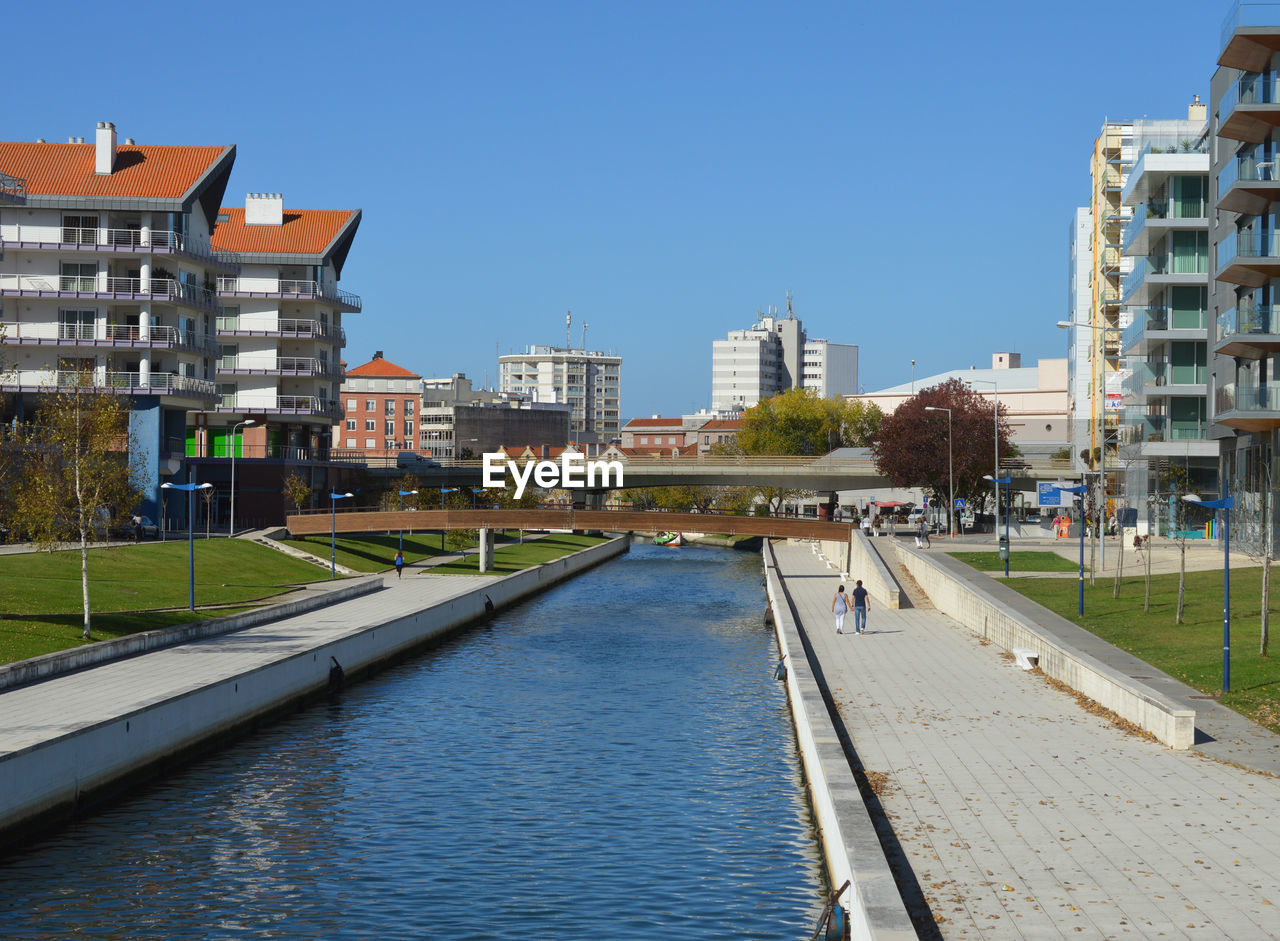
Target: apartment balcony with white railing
105 287
1247 406
1248 330
282 327
280 366
131 241
120 383
302 406
290 289
132 336
1249 256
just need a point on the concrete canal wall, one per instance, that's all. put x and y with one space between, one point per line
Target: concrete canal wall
850 844
122 729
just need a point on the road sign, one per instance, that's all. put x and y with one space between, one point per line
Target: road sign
1047 494
959 503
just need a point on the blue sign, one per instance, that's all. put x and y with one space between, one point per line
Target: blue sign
959 503
1048 495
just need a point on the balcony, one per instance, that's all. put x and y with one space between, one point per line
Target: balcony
1154 273
290 289
133 241
280 366
101 287
302 406
283 327
1248 186
120 383
1250 108
13 189
1249 36
131 336
1249 331
1248 406
1151 221
1249 257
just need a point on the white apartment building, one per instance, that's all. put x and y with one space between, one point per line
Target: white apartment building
588 381
107 268
280 328
1079 338
830 369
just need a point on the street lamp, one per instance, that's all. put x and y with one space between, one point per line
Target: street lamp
1102 461
951 478
248 421
1004 549
1080 491
333 530
403 494
191 545
1225 504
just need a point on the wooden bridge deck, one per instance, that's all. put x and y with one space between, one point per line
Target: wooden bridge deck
381 521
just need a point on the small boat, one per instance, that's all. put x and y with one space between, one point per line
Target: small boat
667 539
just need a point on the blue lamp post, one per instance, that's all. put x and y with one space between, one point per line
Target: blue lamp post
191 545
333 530
1225 504
403 494
1004 549
1080 491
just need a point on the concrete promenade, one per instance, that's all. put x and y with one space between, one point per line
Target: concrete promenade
1019 814
66 739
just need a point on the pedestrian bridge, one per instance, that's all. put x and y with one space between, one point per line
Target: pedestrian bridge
321 522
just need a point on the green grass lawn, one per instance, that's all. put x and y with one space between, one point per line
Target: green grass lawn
1191 651
370 552
41 605
514 557
1019 562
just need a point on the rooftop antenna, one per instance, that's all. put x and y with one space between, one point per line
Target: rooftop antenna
568 328
791 314
584 334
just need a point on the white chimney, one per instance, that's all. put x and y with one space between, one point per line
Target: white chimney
264 209
104 160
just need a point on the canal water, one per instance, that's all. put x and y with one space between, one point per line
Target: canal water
612 759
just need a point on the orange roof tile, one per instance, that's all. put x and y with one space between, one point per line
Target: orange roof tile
653 423
383 368
304 232
723 424
146 172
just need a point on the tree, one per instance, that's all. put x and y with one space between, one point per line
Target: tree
77 477
912 449
799 422
296 491
1253 526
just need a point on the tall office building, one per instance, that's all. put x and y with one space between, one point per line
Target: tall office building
588 381
830 369
1165 308
1244 187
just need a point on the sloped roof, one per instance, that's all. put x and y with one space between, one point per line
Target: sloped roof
723 424
303 232
152 171
383 369
653 423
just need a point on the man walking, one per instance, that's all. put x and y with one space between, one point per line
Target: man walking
923 539
861 604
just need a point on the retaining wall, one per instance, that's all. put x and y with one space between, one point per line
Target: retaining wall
974 600
51 778
860 560
849 841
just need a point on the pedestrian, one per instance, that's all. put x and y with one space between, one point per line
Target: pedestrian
840 605
399 564
866 523
861 605
923 539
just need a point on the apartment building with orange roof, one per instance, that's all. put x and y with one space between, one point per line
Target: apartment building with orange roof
107 269
381 404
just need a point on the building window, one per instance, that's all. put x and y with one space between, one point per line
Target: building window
351 442
644 440
408 429
370 405
408 408
351 405
370 424
391 406
389 444
351 424
389 427
370 443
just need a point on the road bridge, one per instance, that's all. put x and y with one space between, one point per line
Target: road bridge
322 522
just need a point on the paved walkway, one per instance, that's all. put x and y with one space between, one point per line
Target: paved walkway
1021 814
62 705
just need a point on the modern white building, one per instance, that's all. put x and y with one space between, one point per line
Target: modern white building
773 355
588 381
1080 339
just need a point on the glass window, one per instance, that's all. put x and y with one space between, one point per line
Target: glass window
408 407
389 427
351 442
351 424
370 443
408 429
370 425
390 406
370 405
351 405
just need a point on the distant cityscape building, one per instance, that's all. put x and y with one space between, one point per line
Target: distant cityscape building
459 420
697 432
588 381
774 355
381 402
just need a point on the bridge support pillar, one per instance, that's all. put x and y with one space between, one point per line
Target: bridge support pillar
486 550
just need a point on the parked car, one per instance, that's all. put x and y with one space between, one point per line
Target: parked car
140 527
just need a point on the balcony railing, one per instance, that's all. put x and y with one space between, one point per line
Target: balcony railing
285 327
289 287
284 404
1243 319
122 334
13 188
1246 15
132 239
1247 397
284 365
101 285
155 383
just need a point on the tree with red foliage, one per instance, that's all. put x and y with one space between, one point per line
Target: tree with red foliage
912 447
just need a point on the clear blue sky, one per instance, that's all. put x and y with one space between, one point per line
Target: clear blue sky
663 170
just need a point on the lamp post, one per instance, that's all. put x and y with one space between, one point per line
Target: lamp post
248 421
1004 549
1225 504
191 545
1079 491
333 530
403 494
443 528
951 478
1102 460
995 413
